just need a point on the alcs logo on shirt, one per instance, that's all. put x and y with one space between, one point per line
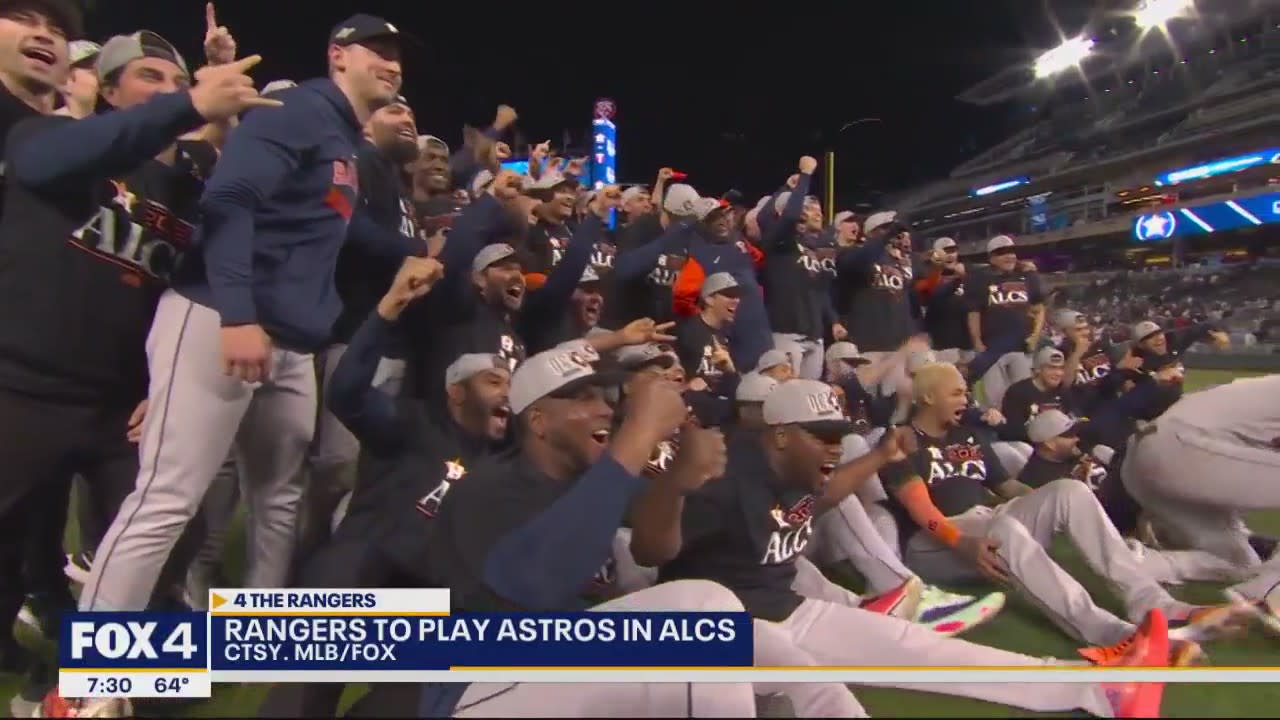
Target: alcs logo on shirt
956 460
1008 293
142 236
791 532
429 504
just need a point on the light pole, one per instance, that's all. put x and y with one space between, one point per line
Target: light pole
831 164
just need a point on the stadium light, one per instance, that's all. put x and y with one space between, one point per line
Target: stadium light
1067 55
1156 13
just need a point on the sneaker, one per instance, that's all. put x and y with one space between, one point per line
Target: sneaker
27 616
1184 653
1211 623
78 566
56 706
950 614
900 602
1148 647
1265 611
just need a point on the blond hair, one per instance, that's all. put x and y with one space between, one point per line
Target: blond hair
927 379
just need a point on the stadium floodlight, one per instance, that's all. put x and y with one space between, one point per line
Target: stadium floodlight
1155 13
1067 55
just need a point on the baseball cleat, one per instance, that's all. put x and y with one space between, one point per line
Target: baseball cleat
1204 624
1265 611
1148 647
950 614
900 602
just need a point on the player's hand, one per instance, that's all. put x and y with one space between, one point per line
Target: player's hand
698 384
657 405
807 165
219 45
1170 373
501 151
702 456
993 417
645 330
576 167
1129 361
793 181
1026 266
665 174
414 279
1220 339
608 198
982 553
505 117
897 444
246 352
720 357
839 332
133 433
506 186
222 92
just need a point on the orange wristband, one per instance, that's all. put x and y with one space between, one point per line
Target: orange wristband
948 533
914 496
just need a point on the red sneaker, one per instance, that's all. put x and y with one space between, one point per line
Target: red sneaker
900 602
1146 648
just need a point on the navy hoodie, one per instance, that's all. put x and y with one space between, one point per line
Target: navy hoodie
276 212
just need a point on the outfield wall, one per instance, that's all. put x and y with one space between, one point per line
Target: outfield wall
1262 362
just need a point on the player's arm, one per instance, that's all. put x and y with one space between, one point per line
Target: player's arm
851 476
998 479
544 307
909 489
52 153
265 149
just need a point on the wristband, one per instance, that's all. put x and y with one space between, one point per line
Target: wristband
945 531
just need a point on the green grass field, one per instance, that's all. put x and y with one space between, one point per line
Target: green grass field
1018 628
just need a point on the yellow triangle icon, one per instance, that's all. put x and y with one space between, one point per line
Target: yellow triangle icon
218 601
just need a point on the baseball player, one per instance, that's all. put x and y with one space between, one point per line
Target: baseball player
1006 318
951 535
746 527
536 529
230 349
1206 461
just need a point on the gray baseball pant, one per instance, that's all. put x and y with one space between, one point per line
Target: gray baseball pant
1197 488
808 363
822 629
847 533
197 413
218 509
331 464
1009 369
1025 527
625 700
1013 456
895 378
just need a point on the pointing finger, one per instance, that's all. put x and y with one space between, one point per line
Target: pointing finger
263 102
664 326
210 16
243 64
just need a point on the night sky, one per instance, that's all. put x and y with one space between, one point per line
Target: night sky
733 102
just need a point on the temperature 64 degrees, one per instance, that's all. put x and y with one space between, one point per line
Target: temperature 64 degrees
171 685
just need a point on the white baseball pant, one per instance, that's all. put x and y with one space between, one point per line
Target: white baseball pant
1196 489
197 413
831 633
1026 526
625 700
1009 369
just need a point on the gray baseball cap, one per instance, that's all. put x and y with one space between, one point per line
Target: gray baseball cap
80 52
998 244
1143 330
875 220
842 216
490 255
471 364
634 192
847 351
810 404
558 372
754 388
718 283
1049 356
772 358
634 357
124 49
944 243
1066 319
681 200
1048 425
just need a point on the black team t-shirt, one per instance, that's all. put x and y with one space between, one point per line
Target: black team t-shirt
1023 401
436 213
696 341
12 110
958 468
878 304
650 294
744 531
82 268
1004 299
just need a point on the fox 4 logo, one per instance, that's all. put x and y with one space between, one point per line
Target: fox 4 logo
129 641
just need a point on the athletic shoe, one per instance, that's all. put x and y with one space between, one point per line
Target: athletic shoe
78 566
1211 623
56 706
27 617
949 614
900 602
1148 647
1184 653
1266 610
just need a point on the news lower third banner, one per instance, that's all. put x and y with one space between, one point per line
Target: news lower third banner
405 636
371 636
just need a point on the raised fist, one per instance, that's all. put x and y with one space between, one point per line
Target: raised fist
808 165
